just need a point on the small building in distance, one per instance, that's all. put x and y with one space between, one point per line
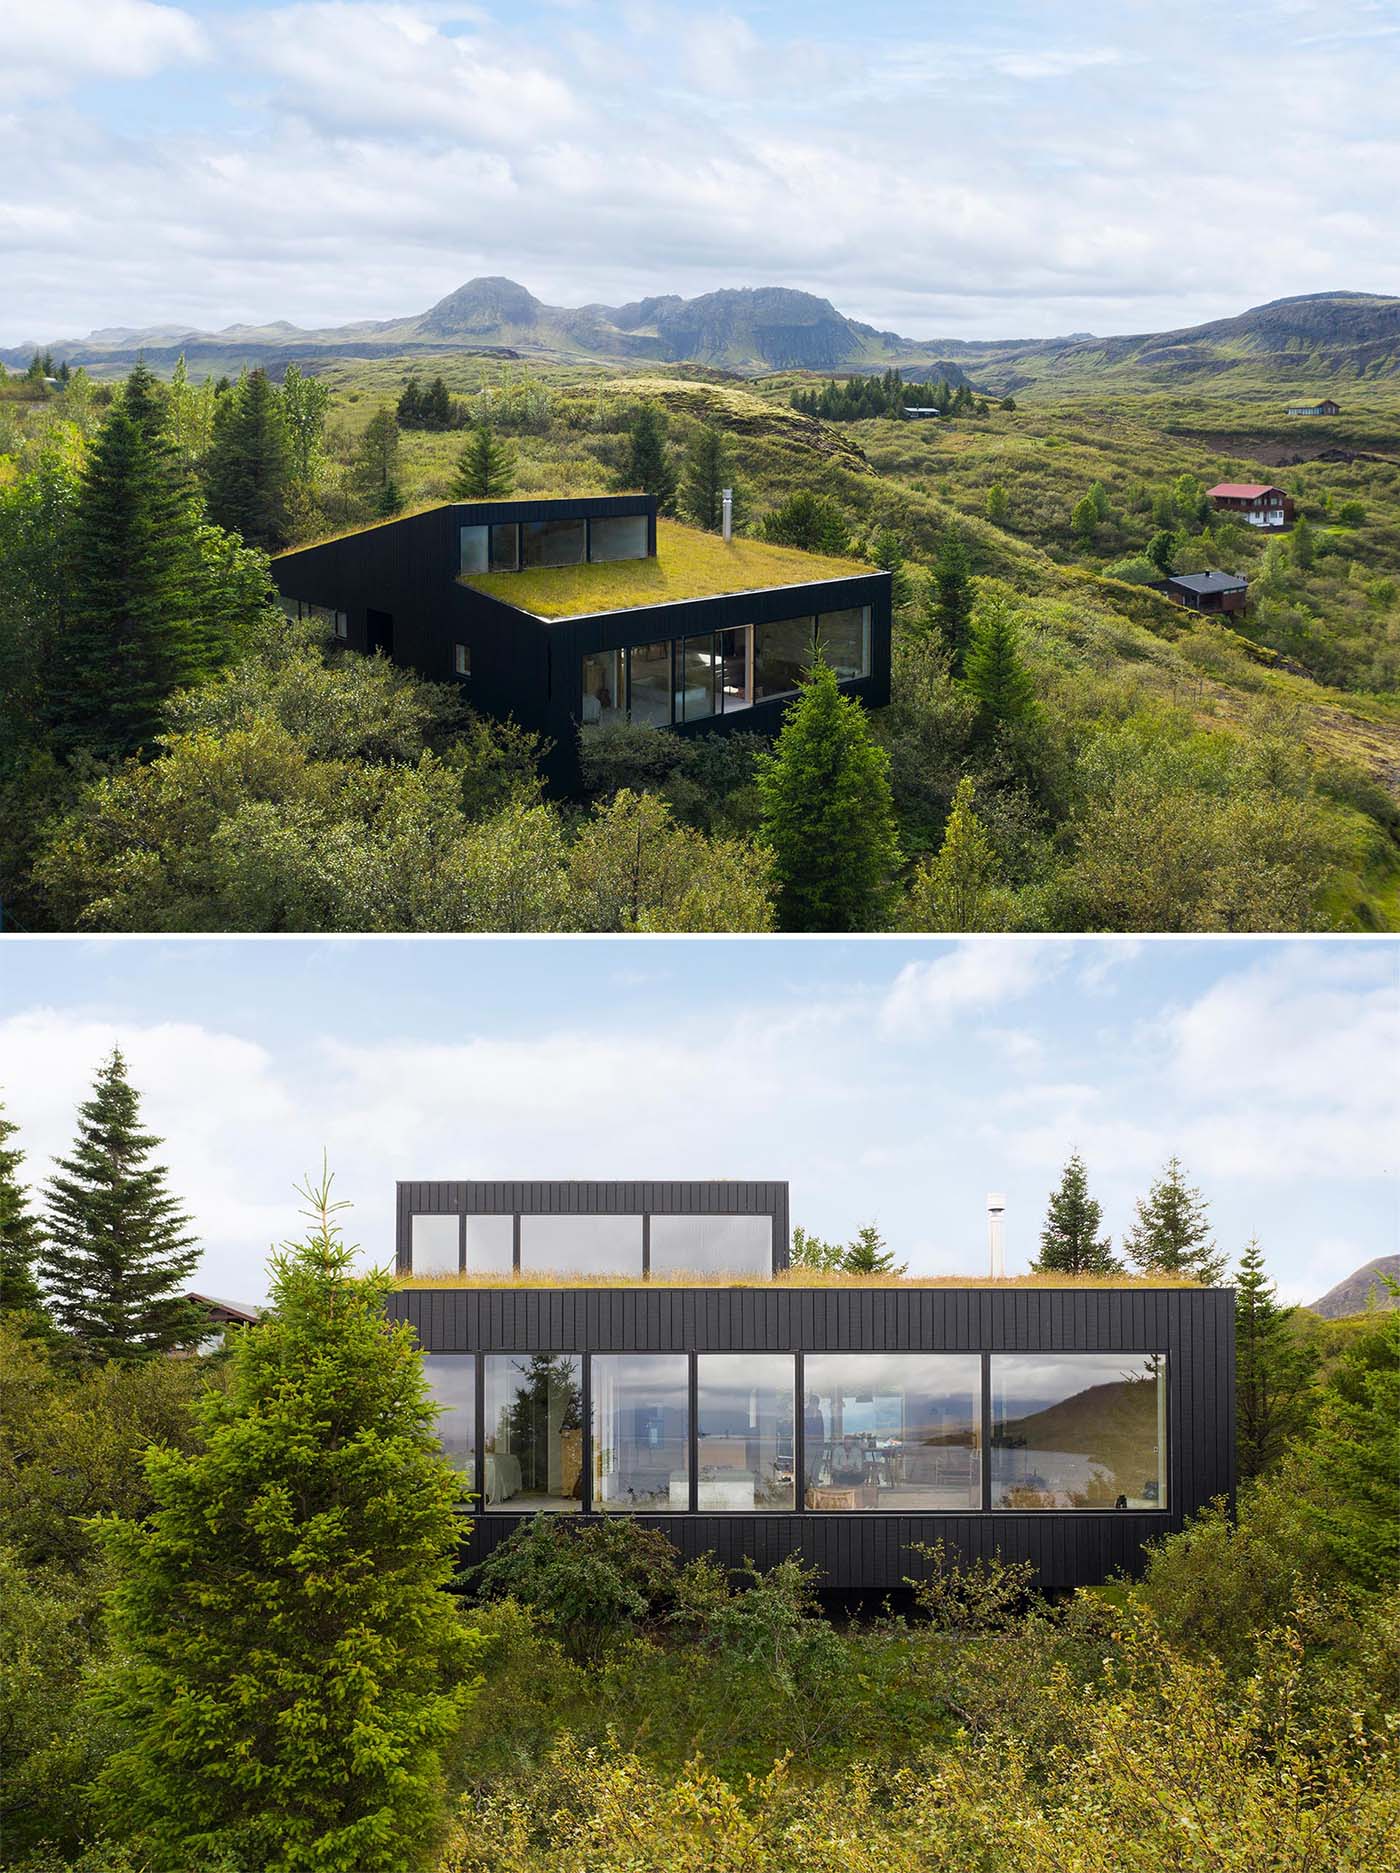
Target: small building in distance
222 1318
1326 408
921 410
1261 504
1205 591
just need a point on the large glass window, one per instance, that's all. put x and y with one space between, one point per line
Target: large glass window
604 689
552 542
697 675
712 1245
505 547
433 1243
534 1431
892 1431
1079 1431
844 637
743 1430
452 1381
782 655
581 1245
736 669
649 684
641 1431
490 1245
618 536
476 549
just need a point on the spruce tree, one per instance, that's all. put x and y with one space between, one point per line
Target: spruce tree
410 405
485 468
649 465
994 671
117 1253
951 608
289 1667
1273 1368
958 889
250 464
1303 547
828 816
20 1239
1350 1463
707 471
1070 1243
375 470
815 523
1172 1233
869 1255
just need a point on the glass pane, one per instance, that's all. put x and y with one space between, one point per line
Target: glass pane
452 1381
622 536
735 675
649 673
534 1431
491 1244
892 1431
581 1245
474 548
712 1245
505 548
604 699
782 652
641 1431
433 1244
551 542
743 1424
697 671
844 637
1079 1431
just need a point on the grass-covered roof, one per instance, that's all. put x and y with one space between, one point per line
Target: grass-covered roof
789 1278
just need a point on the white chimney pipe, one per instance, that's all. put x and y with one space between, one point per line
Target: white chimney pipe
996 1255
727 496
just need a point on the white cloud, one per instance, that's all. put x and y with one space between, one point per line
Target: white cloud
50 45
967 978
1051 64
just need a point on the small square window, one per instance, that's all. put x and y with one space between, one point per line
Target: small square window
462 659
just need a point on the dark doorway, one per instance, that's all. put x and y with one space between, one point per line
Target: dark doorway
379 632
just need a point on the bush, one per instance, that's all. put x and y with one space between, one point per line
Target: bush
588 1581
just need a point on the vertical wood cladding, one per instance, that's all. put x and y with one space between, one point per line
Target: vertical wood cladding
869 1550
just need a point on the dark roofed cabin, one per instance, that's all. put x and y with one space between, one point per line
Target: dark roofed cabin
1325 408
570 614
1205 591
745 1415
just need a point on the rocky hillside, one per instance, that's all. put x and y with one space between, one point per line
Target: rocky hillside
1359 1290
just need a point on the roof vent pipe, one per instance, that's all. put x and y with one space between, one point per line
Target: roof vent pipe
996 1255
727 496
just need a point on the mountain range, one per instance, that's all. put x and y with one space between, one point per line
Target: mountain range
1317 338
1360 1290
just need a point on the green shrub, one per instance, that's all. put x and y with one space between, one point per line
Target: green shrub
589 1581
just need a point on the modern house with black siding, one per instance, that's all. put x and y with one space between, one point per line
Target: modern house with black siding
568 615
745 1415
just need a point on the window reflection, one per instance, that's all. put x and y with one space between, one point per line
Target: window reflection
452 1382
892 1431
712 1245
697 676
649 684
581 1245
641 1425
844 639
1079 1431
490 1245
743 1429
534 1431
551 542
782 656
604 690
619 536
433 1244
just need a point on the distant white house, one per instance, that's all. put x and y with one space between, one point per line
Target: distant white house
920 409
1325 408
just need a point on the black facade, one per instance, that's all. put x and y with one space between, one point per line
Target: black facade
1181 1340
397 587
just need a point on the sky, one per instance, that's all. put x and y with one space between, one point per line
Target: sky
888 1081
969 168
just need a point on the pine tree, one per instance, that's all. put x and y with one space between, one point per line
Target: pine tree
145 402
437 406
1172 1232
1273 1368
707 471
649 464
957 890
998 506
994 671
250 464
951 611
20 1239
1084 520
1350 1463
1070 1243
485 468
869 1255
375 470
290 1668
827 812
1162 550
410 405
117 1255
1302 547
815 523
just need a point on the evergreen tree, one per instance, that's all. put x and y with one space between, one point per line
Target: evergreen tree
886 550
116 1254
957 890
1351 1462
815 523
410 405
306 402
648 459
437 406
375 470
995 673
145 402
707 471
1273 1368
869 1255
827 812
998 506
1162 551
951 610
1302 547
485 468
1084 520
1172 1233
20 1238
1070 1243
250 464
290 1668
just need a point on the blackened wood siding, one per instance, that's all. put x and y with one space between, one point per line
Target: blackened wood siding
867 1550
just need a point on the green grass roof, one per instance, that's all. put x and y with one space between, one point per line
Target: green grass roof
789 1278
689 564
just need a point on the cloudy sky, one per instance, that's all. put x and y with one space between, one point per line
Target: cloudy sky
968 168
885 1080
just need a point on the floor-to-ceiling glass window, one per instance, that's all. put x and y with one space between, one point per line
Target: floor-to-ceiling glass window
736 667
697 678
641 1431
743 1429
782 656
604 688
451 1379
581 1245
892 1431
844 640
649 684
533 1437
1079 1431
